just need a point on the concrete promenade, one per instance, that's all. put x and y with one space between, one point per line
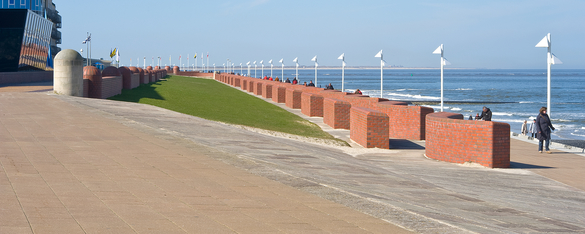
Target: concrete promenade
77 165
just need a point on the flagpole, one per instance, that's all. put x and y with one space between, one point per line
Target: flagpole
316 65
262 62
342 57
549 61
282 75
379 55
271 65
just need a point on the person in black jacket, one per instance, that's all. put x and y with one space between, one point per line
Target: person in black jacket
486 114
311 84
543 126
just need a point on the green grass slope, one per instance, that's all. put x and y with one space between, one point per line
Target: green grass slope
215 101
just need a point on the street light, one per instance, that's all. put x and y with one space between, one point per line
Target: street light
342 57
262 62
382 63
316 65
255 66
271 65
282 75
240 69
296 60
248 63
443 63
550 60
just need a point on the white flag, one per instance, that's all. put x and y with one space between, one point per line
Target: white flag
544 42
248 63
254 62
281 60
270 61
439 50
556 60
262 62
296 60
314 59
445 62
342 56
343 64
379 54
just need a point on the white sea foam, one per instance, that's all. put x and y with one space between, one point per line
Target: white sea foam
456 109
418 96
580 135
501 113
523 102
509 120
463 89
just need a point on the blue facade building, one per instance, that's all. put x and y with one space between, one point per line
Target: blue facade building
29 35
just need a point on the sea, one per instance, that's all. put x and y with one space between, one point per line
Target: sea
513 95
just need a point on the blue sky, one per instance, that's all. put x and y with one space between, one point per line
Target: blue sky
476 34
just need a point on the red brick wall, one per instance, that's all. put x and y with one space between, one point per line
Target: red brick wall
278 94
258 87
405 122
312 104
451 138
244 84
135 80
111 86
267 90
336 113
293 98
251 85
369 128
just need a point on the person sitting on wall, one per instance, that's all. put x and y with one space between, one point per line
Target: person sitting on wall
276 79
329 86
287 80
311 84
270 79
265 77
295 81
305 84
486 114
358 91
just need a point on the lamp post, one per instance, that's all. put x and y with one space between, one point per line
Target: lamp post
550 60
379 55
240 69
444 62
282 75
296 60
248 63
342 57
271 65
316 65
224 68
214 68
255 67
262 62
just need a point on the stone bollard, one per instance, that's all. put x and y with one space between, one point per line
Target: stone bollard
68 73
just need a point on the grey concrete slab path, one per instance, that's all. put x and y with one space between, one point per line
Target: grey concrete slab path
399 186
66 168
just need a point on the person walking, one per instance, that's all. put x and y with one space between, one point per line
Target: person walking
486 114
544 127
524 128
533 128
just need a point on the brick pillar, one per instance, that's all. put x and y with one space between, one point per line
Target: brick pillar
312 104
293 98
278 94
369 128
336 113
258 88
251 86
267 90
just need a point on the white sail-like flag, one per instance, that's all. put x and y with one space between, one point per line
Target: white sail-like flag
296 60
270 61
544 43
379 54
382 64
342 57
314 59
445 62
281 61
439 50
556 60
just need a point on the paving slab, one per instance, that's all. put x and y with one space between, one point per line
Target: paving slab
67 168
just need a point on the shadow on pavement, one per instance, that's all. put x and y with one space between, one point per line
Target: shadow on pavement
405 144
527 166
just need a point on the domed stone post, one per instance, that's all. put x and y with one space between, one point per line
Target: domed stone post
68 73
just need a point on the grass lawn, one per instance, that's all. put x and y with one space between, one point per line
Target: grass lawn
215 101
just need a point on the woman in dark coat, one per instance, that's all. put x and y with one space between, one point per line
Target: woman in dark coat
543 126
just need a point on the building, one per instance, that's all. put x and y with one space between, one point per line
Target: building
29 35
